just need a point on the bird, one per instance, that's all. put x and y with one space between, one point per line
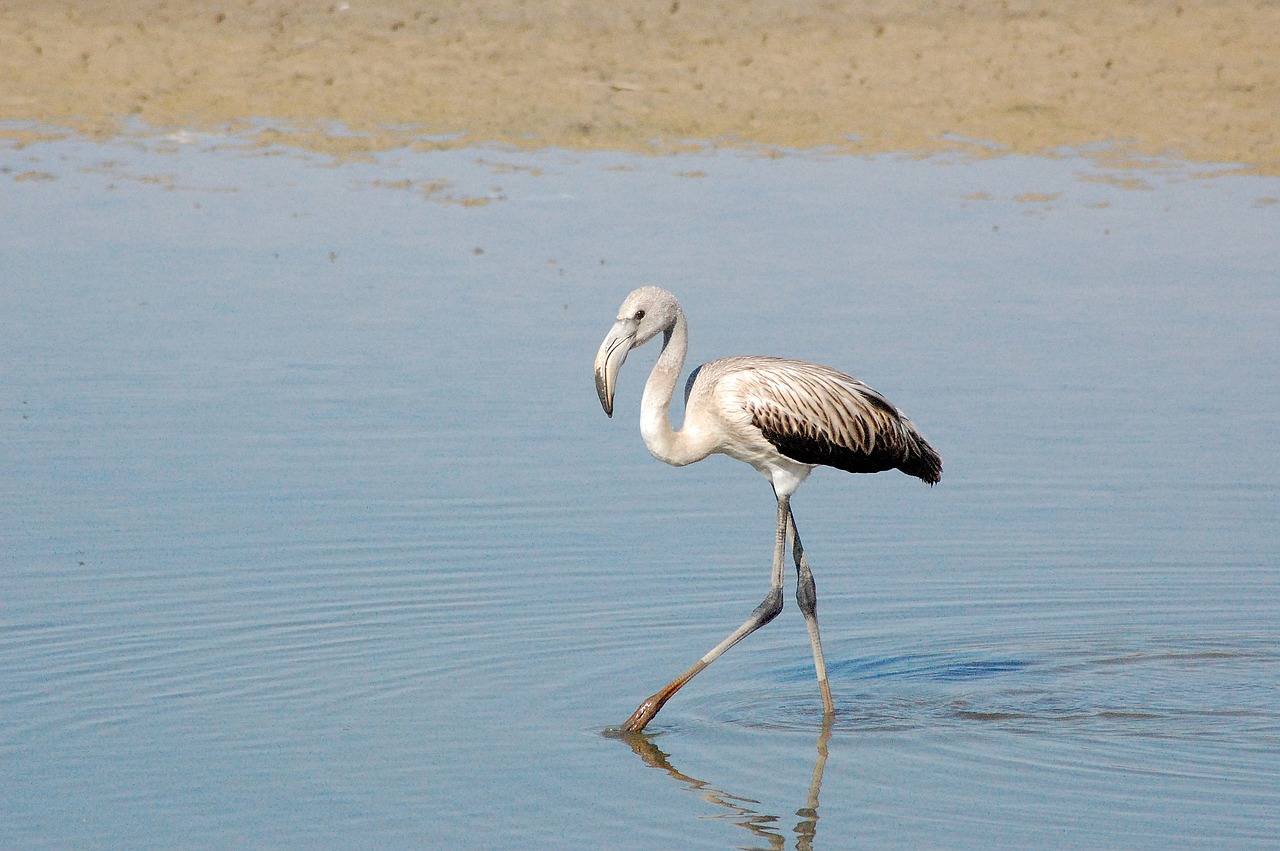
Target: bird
783 417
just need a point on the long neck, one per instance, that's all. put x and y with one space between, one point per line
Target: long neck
655 408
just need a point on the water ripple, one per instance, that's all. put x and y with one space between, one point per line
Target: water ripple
1173 691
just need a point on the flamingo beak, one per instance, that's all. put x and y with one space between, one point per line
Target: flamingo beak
612 354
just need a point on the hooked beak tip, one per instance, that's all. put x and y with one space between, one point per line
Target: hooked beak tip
602 390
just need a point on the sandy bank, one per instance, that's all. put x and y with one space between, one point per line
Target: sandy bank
1196 80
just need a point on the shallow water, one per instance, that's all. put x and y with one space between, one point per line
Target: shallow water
316 534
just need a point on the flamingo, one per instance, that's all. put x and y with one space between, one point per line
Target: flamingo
783 417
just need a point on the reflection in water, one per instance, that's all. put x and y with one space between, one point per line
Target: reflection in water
737 809
807 828
1008 724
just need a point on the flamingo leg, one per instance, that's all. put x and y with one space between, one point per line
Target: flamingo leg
765 612
807 598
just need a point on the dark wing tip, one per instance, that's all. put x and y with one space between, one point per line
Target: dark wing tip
911 454
923 462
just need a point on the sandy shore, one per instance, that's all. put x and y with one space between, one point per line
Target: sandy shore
1195 80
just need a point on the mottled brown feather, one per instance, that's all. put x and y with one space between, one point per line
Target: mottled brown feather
817 415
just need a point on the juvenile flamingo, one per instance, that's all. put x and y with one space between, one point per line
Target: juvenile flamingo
783 417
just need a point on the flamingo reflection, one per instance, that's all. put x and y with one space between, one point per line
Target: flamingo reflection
740 810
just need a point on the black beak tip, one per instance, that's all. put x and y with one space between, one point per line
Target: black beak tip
603 394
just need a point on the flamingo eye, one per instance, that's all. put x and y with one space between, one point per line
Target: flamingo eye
639 315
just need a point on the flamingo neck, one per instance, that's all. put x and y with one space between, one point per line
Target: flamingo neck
664 442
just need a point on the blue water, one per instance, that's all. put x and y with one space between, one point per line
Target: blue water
315 533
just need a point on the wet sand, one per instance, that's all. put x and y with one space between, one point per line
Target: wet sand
1199 81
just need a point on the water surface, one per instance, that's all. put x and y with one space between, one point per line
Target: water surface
316 534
